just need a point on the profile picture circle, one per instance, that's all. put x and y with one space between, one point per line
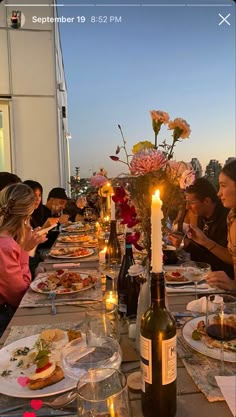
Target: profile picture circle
16 19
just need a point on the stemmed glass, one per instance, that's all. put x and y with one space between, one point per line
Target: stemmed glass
88 214
221 325
195 272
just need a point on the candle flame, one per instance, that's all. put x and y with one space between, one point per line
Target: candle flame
156 196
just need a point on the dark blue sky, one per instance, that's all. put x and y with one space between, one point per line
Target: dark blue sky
176 59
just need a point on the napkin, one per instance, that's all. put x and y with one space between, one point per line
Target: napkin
227 385
200 305
187 288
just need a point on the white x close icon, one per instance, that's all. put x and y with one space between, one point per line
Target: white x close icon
224 19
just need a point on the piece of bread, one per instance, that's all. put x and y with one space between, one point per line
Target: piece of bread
55 377
73 334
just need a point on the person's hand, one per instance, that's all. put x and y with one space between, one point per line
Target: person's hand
50 221
221 280
32 239
197 235
64 218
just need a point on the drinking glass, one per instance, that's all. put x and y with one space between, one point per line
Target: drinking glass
195 272
103 393
88 214
102 320
82 354
221 325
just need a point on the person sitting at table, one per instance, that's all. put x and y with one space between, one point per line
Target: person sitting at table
56 203
16 239
7 178
227 194
38 220
202 198
38 215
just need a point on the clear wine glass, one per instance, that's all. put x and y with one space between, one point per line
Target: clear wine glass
221 325
88 214
195 272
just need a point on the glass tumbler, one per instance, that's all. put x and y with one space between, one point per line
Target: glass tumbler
103 393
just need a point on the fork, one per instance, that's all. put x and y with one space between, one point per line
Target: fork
52 296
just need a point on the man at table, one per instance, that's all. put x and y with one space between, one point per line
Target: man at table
54 207
202 199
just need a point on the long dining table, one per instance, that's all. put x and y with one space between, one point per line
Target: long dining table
191 402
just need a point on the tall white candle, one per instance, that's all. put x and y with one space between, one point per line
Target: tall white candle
156 236
113 210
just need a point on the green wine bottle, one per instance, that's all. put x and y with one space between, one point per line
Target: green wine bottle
158 355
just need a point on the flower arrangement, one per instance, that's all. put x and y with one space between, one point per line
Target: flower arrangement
105 190
151 167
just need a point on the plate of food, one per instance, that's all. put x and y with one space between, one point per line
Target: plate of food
31 367
77 227
194 332
71 252
175 276
74 238
63 282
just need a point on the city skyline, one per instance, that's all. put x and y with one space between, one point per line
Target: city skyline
179 60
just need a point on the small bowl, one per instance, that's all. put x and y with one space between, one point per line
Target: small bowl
79 356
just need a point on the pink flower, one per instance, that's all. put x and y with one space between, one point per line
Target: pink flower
147 160
187 178
181 128
159 116
175 169
98 180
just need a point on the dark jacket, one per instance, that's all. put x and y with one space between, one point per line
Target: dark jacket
215 228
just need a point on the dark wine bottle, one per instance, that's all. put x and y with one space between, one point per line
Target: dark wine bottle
113 253
127 286
158 355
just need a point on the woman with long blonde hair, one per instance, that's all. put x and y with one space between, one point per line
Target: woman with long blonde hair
17 203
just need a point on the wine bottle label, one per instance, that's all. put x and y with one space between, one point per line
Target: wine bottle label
146 360
169 360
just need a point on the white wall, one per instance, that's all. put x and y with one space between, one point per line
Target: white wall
31 68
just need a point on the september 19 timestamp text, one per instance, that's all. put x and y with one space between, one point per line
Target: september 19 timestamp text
78 19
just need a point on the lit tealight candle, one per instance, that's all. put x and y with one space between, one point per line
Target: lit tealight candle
111 298
102 255
156 234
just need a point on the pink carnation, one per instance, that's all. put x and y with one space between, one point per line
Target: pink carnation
187 179
159 116
181 125
98 180
175 169
147 160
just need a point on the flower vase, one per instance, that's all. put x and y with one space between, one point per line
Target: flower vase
144 301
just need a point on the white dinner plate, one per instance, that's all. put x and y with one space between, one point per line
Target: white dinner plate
60 290
9 384
72 256
200 346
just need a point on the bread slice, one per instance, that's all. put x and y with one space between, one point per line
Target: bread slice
55 377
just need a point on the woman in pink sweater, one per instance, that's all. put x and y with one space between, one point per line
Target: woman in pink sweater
17 203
